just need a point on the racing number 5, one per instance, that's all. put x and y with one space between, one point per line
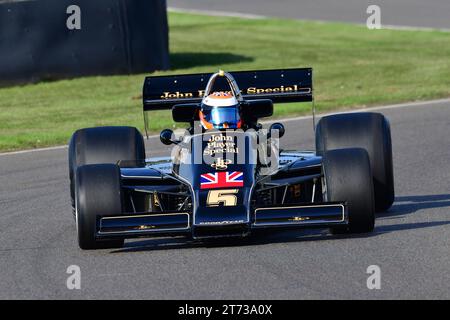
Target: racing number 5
227 197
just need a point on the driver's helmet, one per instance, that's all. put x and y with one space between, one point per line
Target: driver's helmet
220 110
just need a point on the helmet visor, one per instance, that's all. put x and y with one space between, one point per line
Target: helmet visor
223 117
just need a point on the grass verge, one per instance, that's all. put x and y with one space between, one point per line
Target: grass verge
353 67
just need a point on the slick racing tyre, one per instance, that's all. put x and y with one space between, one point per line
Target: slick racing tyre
348 178
98 192
367 130
103 145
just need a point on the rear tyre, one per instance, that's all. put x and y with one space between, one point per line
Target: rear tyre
103 145
98 192
367 130
348 178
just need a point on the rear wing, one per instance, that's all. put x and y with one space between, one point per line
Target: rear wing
282 85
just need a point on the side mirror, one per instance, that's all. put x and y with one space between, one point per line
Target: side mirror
277 127
187 112
166 137
255 109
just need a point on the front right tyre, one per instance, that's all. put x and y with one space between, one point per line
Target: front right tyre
103 145
98 192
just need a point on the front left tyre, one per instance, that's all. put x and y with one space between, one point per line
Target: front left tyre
347 177
370 131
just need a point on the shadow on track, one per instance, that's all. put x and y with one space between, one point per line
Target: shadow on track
403 206
406 205
257 238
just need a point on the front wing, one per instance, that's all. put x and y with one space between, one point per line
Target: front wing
180 223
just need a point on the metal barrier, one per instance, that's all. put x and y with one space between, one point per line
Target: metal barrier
55 39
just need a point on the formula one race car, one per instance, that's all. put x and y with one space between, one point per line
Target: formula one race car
226 175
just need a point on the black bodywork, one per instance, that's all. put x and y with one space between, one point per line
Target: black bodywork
165 196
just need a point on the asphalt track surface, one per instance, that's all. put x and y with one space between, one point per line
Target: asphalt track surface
411 242
414 13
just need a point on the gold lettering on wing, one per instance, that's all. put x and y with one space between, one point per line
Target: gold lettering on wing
176 95
281 89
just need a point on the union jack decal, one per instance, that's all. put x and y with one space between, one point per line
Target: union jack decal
222 180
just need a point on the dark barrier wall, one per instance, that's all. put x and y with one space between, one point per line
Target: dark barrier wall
116 37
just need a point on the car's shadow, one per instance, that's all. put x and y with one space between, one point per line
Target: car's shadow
403 206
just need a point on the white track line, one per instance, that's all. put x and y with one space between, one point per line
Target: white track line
33 150
50 148
217 13
409 28
392 106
